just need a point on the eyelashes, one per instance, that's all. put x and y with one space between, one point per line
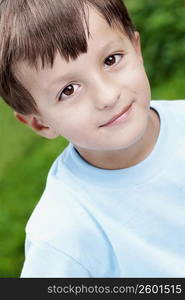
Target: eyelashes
71 89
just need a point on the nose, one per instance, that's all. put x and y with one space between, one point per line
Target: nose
106 92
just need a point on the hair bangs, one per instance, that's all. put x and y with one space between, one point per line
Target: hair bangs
47 28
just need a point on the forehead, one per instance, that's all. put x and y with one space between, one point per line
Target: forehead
101 37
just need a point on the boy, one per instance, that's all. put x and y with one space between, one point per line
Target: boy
114 202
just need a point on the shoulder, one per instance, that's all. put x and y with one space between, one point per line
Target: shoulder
63 221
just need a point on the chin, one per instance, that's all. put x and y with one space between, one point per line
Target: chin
128 137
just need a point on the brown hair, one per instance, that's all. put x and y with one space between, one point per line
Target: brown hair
33 29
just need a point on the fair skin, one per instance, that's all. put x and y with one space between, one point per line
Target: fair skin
101 84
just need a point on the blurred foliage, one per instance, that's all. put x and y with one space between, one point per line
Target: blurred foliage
26 158
162 28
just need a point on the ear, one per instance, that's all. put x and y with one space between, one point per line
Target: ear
35 123
137 45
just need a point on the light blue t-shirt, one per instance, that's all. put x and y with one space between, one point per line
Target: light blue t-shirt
93 222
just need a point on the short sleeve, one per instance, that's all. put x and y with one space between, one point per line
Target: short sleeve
42 260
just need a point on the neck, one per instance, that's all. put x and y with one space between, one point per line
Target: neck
125 158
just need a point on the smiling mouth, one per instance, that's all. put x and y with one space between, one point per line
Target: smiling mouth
116 117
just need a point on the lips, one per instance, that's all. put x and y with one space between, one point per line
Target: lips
114 118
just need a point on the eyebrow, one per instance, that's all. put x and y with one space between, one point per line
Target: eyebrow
66 77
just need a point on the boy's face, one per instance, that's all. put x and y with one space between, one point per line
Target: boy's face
77 99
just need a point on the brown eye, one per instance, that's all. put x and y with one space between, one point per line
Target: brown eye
113 59
110 60
68 91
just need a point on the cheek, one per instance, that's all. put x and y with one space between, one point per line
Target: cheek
142 85
69 122
78 135
135 78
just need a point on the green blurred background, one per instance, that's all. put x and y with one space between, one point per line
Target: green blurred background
26 158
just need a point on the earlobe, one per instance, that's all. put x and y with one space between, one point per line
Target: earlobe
36 125
42 130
